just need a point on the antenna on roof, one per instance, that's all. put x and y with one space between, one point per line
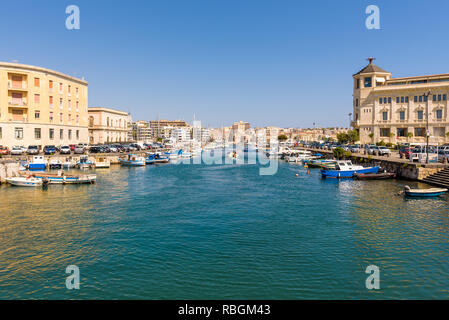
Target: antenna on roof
371 59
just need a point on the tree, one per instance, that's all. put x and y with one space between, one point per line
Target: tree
353 136
339 153
409 135
282 137
342 137
371 135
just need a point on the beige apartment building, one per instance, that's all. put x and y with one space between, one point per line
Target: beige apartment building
397 110
41 107
159 128
107 125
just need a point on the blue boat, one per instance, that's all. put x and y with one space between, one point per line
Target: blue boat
38 164
156 158
132 160
345 169
432 192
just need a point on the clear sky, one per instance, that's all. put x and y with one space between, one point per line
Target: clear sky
269 62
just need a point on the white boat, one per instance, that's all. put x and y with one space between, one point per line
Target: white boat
132 160
84 162
55 164
102 162
38 163
68 164
28 181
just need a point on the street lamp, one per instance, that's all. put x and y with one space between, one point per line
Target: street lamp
427 126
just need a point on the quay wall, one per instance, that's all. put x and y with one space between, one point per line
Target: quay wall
403 168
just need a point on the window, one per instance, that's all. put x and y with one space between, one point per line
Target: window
380 100
76 92
444 97
51 134
37 98
368 82
420 115
77 134
384 116
406 99
402 132
77 105
37 83
70 134
420 132
439 114
61 105
439 97
77 118
357 83
61 86
37 133
397 99
68 88
425 98
402 115
420 98
389 99
70 118
50 100
385 100
384 132
61 118
61 134
18 133
37 114
402 99
51 117
415 99
70 105
434 97
50 84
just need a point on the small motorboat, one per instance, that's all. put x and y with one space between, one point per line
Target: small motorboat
84 162
38 163
345 169
55 164
432 192
156 158
374 176
132 160
62 178
102 162
28 181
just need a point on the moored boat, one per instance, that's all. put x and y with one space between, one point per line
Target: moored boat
345 169
156 158
28 181
38 163
84 162
62 178
102 162
432 192
374 176
55 164
132 160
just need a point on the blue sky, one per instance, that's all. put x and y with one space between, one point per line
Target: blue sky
282 63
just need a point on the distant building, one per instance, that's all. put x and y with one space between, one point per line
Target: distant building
107 125
39 106
157 126
395 109
144 133
241 126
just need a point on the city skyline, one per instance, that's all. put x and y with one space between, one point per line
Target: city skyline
268 70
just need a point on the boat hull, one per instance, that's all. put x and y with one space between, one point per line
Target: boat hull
55 179
36 166
23 182
374 176
132 163
347 173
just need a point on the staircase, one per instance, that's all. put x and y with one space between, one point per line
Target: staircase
440 179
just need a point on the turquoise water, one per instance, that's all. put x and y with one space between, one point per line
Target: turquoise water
219 232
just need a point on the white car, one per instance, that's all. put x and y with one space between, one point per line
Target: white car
65 150
16 151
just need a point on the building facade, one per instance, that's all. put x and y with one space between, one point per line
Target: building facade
41 107
400 110
144 133
107 125
157 126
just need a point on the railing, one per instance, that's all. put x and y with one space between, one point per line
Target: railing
22 87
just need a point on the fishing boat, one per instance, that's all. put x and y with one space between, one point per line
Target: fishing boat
84 162
68 164
321 163
156 158
62 178
432 192
132 160
28 181
345 169
374 176
55 164
38 163
102 162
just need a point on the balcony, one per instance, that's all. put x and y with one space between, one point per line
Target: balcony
17 104
22 87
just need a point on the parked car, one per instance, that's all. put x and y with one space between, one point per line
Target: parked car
443 155
33 150
16 151
4 150
79 149
49 150
95 149
65 150
355 148
405 152
383 151
112 148
368 147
